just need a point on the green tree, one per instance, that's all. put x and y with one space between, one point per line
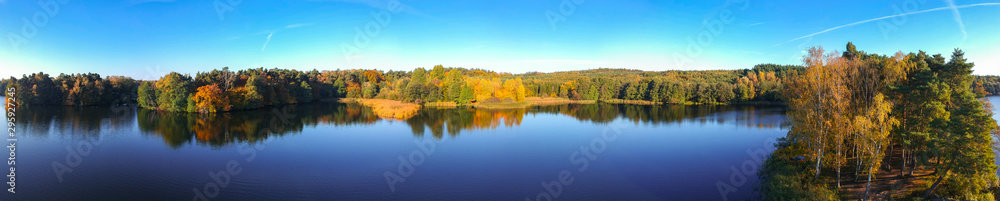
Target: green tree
454 83
305 93
173 91
147 95
725 92
466 95
254 98
437 72
340 88
965 148
592 93
415 91
434 93
419 76
369 90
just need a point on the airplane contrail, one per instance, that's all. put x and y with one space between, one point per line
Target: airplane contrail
267 41
958 17
892 16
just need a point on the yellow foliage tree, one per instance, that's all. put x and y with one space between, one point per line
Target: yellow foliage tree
514 89
211 99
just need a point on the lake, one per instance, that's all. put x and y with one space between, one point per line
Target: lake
334 151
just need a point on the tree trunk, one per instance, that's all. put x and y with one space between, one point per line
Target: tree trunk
934 186
839 163
818 160
857 161
869 184
902 161
871 168
888 165
838 177
940 178
857 167
913 163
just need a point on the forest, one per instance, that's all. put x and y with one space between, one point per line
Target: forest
862 120
73 89
762 83
225 90
988 85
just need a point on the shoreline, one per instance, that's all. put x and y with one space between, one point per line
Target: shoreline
398 110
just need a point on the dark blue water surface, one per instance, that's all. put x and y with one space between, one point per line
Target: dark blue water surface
333 151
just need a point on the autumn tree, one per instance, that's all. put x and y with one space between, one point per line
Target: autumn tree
808 110
210 99
172 91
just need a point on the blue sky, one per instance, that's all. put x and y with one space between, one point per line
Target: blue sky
147 38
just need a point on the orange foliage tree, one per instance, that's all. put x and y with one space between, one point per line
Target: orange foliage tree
211 99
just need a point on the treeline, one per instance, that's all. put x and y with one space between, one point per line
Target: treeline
73 89
851 110
762 83
987 84
224 90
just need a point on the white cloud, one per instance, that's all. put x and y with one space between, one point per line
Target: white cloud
298 25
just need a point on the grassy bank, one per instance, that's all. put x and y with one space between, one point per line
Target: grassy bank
788 175
388 109
785 175
632 102
531 101
440 104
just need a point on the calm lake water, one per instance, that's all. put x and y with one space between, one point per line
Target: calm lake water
332 151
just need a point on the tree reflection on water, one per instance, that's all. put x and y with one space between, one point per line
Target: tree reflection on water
222 129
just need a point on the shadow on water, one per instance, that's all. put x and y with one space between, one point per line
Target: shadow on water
223 129
251 126
75 122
